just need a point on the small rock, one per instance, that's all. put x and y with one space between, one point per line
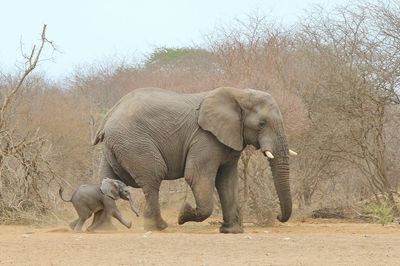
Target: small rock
287 238
147 233
248 237
248 224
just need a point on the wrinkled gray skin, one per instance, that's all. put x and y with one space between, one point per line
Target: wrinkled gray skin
153 134
100 200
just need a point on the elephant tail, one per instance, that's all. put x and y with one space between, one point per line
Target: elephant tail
60 191
99 136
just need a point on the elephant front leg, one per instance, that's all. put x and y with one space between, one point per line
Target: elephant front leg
227 187
117 215
202 187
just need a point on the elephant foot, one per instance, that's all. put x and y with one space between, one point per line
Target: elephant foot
106 226
186 214
129 225
158 225
72 225
77 231
231 229
90 230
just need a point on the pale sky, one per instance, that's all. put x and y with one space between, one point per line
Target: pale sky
89 31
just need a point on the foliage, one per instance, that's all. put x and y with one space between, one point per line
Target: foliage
381 211
165 54
175 57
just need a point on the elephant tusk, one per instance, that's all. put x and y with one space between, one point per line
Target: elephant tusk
292 152
269 154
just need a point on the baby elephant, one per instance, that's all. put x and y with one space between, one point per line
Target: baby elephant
100 200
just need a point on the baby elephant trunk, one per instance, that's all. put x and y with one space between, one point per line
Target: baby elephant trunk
133 206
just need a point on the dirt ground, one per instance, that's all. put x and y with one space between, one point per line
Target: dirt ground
310 243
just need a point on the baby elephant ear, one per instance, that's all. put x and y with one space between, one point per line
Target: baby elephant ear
110 188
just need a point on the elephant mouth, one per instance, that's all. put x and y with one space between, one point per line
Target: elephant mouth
125 197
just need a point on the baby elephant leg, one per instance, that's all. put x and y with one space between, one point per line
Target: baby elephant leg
73 224
79 224
103 221
117 214
111 207
84 214
98 220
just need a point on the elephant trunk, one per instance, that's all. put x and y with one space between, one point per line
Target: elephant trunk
279 164
133 206
280 172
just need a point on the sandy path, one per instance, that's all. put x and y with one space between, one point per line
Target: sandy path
199 244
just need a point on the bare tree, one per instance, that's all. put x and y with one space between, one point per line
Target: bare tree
25 171
355 86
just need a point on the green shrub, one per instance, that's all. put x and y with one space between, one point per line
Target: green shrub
381 212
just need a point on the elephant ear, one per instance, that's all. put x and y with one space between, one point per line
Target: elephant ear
221 114
110 188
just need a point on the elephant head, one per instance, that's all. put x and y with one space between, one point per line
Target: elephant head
110 188
249 117
117 189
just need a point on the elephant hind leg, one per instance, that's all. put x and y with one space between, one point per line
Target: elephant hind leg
98 220
73 224
102 221
84 213
105 169
152 213
145 163
109 167
80 222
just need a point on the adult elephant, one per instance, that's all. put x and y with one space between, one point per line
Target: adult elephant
153 134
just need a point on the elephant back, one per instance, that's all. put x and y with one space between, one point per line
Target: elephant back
157 101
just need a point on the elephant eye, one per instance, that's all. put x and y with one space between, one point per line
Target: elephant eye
262 124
